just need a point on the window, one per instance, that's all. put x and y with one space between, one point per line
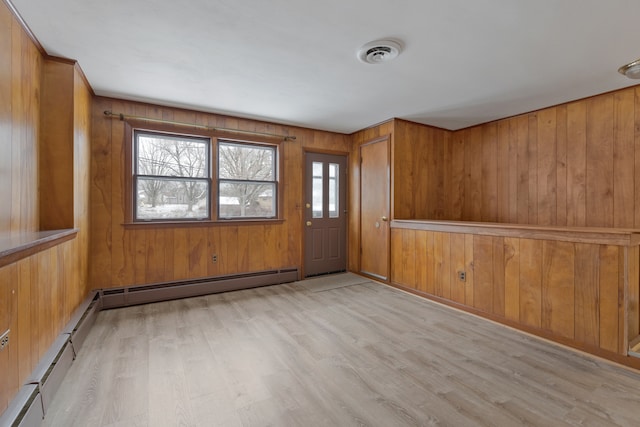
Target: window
194 178
247 185
172 179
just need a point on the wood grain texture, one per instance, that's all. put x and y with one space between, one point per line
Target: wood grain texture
132 256
302 354
571 292
39 292
575 164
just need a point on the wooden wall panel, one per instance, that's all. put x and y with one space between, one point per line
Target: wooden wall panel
587 296
39 293
36 301
531 282
563 290
419 172
558 288
576 164
20 68
56 148
126 256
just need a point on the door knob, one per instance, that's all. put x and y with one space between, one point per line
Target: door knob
384 218
308 205
308 223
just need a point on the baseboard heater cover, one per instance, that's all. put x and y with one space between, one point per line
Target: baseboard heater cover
134 295
25 409
32 401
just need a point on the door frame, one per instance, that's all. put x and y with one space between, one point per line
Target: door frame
345 154
388 138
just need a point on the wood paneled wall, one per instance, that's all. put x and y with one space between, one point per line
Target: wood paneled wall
20 69
421 159
124 256
576 164
39 293
572 292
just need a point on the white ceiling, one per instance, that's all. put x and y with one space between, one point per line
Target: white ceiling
294 61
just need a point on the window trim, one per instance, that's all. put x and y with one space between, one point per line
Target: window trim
208 179
129 221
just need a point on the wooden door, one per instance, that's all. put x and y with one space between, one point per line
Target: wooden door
325 214
374 208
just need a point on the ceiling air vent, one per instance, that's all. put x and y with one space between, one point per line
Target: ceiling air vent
379 51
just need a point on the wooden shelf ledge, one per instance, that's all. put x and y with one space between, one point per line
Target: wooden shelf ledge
18 246
603 236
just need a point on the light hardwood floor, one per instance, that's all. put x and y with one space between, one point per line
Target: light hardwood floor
310 353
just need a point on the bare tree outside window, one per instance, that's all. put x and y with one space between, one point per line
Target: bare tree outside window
172 175
172 178
247 180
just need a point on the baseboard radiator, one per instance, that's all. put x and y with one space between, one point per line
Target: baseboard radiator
29 407
134 295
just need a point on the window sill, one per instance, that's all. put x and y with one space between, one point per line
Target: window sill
203 223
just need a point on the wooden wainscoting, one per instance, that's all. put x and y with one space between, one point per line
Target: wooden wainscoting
578 287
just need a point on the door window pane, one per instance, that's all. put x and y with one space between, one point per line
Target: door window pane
316 191
334 174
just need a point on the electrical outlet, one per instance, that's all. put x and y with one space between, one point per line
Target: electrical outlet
214 258
4 340
462 275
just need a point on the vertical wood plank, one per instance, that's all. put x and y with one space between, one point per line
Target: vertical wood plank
561 165
473 177
633 293
483 273
547 167
457 265
457 192
558 259
587 275
512 278
498 276
623 159
421 260
489 182
445 271
430 286
409 258
437 263
397 272
532 156
599 183
520 132
531 282
469 269
608 309
504 171
576 164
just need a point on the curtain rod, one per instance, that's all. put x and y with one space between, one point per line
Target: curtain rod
122 117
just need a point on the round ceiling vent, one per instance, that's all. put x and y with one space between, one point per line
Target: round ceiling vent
379 51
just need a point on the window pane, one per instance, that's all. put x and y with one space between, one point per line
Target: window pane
316 190
334 173
172 199
246 200
246 162
161 155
